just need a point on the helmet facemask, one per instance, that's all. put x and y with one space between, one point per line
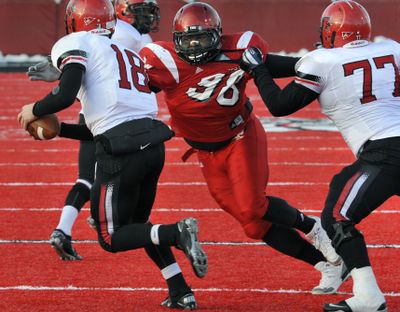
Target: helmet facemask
197 46
146 17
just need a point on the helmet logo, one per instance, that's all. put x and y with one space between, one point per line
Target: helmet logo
346 34
88 20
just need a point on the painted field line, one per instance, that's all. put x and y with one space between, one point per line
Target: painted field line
90 241
196 164
16 184
59 150
156 289
174 149
51 209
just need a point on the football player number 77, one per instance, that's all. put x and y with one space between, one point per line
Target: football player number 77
139 79
379 62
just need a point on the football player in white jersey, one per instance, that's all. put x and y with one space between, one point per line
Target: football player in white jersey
120 110
357 83
135 20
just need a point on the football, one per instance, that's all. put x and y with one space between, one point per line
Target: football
44 128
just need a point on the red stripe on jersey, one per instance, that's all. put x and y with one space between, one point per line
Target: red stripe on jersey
74 58
102 215
342 198
307 81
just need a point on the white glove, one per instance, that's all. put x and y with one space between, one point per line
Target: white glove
43 71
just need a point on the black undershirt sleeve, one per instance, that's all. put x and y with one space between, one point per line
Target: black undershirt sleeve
281 66
281 102
75 131
63 95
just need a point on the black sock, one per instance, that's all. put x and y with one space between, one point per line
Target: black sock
168 234
310 254
289 242
304 223
177 286
163 257
354 253
280 212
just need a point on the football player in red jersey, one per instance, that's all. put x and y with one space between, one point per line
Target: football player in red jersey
205 93
357 85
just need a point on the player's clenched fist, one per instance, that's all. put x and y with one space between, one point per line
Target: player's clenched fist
251 58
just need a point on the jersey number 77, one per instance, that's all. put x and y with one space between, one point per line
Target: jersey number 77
365 65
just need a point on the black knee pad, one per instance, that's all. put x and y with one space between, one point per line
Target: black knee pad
342 232
78 196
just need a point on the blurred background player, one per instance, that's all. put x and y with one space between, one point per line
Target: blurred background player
115 103
205 93
135 20
357 83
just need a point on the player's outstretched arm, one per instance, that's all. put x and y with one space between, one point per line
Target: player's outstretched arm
279 102
43 71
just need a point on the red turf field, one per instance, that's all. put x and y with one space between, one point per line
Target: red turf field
243 275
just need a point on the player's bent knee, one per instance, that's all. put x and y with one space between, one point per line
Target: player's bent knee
342 232
78 196
257 229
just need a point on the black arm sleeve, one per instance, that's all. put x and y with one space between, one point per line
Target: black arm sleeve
281 66
64 94
75 131
281 102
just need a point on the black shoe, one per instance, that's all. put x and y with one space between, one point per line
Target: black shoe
342 306
63 246
188 242
184 302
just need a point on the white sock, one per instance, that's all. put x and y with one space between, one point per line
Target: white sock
67 219
364 281
154 234
367 294
171 270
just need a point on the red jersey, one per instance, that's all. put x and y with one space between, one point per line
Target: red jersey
205 101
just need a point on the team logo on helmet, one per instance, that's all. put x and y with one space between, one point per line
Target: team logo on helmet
88 20
346 34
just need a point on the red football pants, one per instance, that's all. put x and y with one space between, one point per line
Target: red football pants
237 176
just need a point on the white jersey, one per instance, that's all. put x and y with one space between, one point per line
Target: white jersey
128 35
359 89
109 93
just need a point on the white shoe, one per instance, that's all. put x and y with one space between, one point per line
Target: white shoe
332 276
321 241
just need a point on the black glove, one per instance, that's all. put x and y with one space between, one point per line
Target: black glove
251 58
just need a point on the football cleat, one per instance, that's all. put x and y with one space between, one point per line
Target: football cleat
188 242
342 306
185 302
63 246
321 241
332 276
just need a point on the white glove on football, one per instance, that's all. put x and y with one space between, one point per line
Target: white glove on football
43 71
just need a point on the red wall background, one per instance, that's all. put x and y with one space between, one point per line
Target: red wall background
32 26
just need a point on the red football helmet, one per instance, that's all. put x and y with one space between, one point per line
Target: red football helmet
197 32
95 16
144 15
343 22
